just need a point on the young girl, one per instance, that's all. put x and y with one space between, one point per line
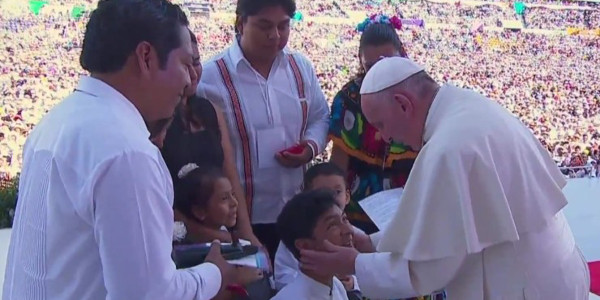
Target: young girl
205 195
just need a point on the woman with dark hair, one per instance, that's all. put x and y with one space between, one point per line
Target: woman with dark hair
198 134
371 164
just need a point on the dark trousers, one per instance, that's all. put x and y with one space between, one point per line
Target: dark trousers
268 236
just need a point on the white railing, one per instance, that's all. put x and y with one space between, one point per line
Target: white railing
575 172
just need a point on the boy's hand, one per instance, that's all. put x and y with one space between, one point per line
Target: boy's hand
348 282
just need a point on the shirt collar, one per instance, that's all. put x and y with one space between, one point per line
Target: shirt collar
435 111
237 56
98 88
315 288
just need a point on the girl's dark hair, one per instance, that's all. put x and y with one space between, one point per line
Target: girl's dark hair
379 34
203 110
195 188
157 127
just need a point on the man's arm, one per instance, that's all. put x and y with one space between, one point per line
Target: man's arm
389 276
133 224
318 116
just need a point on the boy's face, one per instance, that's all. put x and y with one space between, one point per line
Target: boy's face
332 226
335 183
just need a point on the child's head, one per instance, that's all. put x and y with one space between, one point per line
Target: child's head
310 218
330 176
204 194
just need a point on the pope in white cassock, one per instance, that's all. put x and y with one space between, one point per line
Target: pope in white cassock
481 214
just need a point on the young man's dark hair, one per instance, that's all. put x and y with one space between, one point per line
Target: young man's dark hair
246 8
299 216
116 27
322 169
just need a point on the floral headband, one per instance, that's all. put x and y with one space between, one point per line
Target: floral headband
394 21
186 170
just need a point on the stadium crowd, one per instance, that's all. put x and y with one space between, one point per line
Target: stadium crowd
550 81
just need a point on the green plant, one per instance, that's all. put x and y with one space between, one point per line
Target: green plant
8 197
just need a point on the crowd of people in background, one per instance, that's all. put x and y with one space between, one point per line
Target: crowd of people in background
548 80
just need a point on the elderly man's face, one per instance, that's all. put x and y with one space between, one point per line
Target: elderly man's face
394 116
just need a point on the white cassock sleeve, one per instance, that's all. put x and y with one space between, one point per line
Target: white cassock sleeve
133 223
403 279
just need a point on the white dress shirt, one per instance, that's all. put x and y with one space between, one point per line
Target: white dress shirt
304 287
272 113
94 218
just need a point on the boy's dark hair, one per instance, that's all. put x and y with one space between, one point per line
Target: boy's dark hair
116 27
195 188
299 216
380 34
322 169
246 8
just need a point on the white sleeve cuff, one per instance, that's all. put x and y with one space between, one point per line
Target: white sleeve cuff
312 148
356 286
209 280
384 276
375 238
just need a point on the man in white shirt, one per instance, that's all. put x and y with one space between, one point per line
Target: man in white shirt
272 101
306 222
94 218
482 220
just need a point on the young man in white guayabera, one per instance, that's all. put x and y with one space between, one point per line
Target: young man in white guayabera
272 101
94 218
498 229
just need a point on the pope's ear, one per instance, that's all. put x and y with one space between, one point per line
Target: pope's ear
404 102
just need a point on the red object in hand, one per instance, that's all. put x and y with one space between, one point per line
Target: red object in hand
237 289
297 149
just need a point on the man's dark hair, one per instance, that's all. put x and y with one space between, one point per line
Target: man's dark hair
116 27
322 169
246 8
299 216
193 37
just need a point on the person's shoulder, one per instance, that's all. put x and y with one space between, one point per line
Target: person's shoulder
302 60
210 67
90 129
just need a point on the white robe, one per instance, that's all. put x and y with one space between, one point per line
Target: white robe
480 216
